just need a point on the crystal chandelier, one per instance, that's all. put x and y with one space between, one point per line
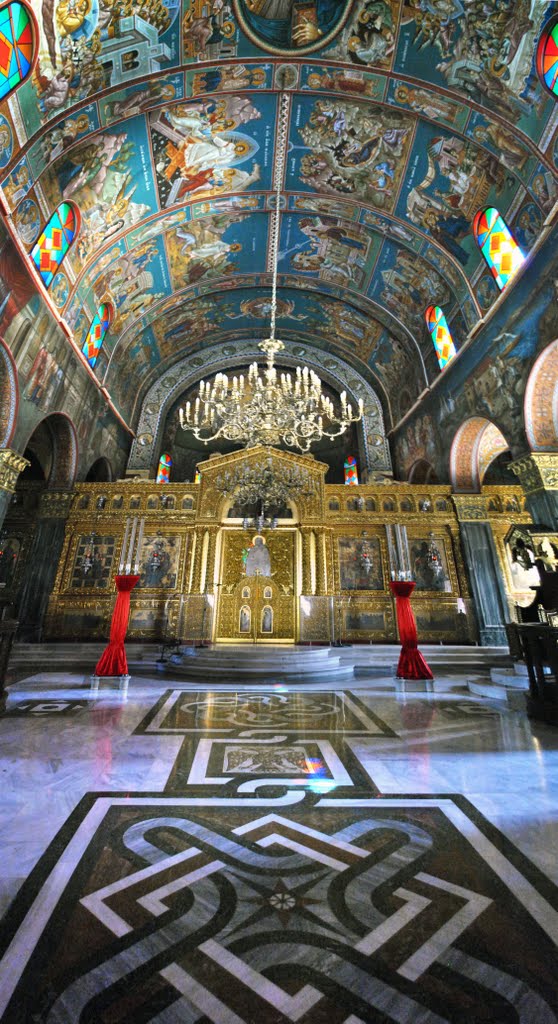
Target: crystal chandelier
267 407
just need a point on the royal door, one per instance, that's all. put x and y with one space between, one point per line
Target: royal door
253 607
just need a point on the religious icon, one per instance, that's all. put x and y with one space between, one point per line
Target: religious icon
258 562
245 619
267 619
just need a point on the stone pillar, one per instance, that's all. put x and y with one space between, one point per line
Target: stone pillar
306 564
42 563
11 465
485 574
538 476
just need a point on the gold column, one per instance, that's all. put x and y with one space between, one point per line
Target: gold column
538 475
321 586
306 566
213 532
11 465
196 560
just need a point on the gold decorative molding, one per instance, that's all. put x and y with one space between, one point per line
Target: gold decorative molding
11 465
470 507
537 471
55 504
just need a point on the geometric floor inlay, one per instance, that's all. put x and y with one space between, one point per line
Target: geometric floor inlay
306 908
239 714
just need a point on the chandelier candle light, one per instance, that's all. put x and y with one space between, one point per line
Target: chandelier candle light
269 408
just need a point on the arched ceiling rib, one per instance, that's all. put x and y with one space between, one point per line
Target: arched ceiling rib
158 118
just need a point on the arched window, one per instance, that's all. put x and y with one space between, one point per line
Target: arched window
164 468
351 470
498 246
547 56
440 334
18 44
59 233
97 331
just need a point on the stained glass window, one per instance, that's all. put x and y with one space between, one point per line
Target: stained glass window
59 233
197 477
547 56
498 246
17 46
440 334
351 470
96 334
164 468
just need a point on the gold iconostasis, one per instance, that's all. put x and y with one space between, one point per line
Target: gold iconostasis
323 575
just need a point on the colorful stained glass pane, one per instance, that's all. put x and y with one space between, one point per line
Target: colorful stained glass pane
96 334
351 470
17 46
498 246
440 334
547 56
163 471
197 477
50 249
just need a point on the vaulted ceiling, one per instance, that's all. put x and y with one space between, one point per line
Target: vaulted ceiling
159 120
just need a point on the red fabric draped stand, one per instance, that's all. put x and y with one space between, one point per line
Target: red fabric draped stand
113 660
411 662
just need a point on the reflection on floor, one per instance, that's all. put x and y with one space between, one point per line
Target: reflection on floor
314 854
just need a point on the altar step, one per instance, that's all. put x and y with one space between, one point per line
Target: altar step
510 685
224 663
259 662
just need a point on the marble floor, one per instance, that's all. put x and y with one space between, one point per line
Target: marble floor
336 854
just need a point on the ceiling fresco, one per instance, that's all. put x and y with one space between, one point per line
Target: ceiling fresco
158 118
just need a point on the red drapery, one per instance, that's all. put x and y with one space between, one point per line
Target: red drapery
113 660
411 662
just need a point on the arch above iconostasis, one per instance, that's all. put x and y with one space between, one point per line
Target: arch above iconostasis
166 390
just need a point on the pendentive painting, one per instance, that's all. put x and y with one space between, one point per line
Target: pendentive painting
92 563
159 561
289 27
360 563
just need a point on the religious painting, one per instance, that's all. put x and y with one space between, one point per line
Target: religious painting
257 560
364 621
484 52
86 48
204 147
110 177
267 619
285 27
148 618
328 248
433 620
10 550
368 37
158 561
452 178
356 570
353 151
93 562
429 563
228 77
245 619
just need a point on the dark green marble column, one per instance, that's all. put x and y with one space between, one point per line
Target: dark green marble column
485 575
42 563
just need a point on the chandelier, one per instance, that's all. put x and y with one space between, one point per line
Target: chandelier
265 485
266 407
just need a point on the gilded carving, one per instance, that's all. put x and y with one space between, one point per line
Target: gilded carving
537 471
11 465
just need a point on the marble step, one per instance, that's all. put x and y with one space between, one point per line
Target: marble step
502 686
257 663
